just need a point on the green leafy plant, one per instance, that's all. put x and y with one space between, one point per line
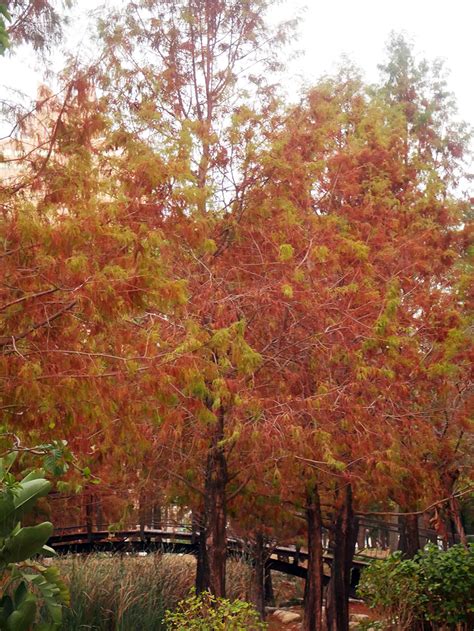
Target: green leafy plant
435 588
4 18
205 612
27 585
447 581
391 586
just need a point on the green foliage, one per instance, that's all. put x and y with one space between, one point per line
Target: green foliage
448 584
391 586
286 252
208 613
4 17
26 584
435 586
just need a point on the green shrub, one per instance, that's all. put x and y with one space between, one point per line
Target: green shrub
391 587
447 581
27 585
208 613
435 588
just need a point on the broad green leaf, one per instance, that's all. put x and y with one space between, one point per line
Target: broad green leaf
6 463
27 542
47 551
6 608
4 12
36 474
53 591
21 593
28 493
7 513
23 617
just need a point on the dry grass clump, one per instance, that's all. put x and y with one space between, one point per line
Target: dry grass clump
123 592
238 579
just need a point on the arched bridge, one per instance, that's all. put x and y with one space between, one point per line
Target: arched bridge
177 539
376 538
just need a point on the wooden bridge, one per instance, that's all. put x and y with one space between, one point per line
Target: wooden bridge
179 539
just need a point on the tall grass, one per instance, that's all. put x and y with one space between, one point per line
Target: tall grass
128 593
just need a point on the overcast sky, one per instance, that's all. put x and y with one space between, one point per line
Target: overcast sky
357 28
361 28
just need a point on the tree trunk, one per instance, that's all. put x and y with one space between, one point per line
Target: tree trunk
456 517
89 513
296 558
156 516
313 606
195 527
361 538
142 513
409 543
257 591
215 515
202 566
269 594
345 529
100 518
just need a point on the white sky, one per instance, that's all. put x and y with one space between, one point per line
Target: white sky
361 28
358 28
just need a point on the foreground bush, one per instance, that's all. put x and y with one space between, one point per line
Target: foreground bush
208 613
26 585
434 589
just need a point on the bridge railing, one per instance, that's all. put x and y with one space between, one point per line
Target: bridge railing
162 526
375 536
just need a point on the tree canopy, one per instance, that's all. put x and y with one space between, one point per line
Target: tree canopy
254 309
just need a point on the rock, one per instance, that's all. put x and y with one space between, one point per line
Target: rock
286 617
